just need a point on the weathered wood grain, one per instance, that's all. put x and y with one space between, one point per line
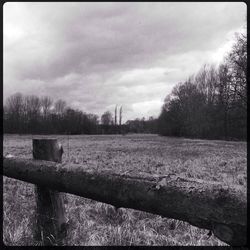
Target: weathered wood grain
50 207
211 205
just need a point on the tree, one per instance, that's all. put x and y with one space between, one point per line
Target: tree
14 112
106 118
46 104
32 112
73 121
212 103
29 114
223 99
120 119
91 124
237 62
116 115
60 107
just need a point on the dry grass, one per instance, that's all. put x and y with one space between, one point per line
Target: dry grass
93 223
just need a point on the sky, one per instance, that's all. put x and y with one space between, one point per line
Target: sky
98 55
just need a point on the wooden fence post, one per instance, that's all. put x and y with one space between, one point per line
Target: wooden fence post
205 204
50 218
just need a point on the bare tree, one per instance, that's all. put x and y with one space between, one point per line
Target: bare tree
32 108
237 61
14 104
116 115
46 104
14 111
213 103
120 118
26 114
206 81
33 105
60 107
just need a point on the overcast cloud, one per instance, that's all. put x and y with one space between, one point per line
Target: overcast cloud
97 55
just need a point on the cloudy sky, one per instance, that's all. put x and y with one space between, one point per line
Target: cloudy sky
97 55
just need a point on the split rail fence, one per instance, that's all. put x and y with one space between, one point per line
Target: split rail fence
210 205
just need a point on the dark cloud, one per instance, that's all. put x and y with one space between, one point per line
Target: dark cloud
107 51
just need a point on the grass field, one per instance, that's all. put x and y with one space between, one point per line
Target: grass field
96 224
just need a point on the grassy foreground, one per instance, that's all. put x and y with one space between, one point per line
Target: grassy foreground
97 224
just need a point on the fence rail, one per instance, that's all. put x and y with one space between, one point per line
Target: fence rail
209 205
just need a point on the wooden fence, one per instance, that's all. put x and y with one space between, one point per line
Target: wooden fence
210 205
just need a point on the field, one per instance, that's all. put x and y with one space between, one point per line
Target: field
96 224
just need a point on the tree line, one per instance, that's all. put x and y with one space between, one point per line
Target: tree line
212 103
114 125
25 114
31 114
